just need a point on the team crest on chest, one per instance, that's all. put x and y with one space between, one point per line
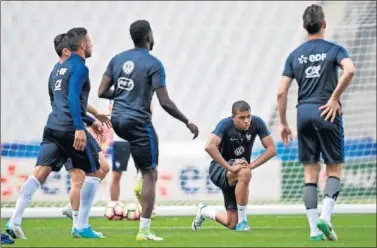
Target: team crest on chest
248 137
128 67
239 151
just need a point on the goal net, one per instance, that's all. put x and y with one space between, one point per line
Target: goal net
214 53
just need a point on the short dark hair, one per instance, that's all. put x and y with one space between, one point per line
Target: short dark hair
313 18
74 38
139 31
240 106
60 42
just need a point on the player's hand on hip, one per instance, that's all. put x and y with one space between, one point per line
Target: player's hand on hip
285 134
193 128
104 119
80 140
331 109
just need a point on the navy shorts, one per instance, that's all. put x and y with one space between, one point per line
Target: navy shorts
218 176
143 141
68 163
316 136
57 147
121 155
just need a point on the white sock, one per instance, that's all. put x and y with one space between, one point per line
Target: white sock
144 223
87 194
209 212
312 216
328 208
241 213
75 213
26 193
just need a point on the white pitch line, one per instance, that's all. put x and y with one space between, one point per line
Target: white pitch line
208 228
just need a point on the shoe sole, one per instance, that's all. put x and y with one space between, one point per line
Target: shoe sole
326 230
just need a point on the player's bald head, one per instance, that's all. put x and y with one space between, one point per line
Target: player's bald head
141 33
240 106
313 18
60 42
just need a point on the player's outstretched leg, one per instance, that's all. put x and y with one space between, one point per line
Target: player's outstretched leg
148 195
31 185
226 218
332 190
235 216
311 200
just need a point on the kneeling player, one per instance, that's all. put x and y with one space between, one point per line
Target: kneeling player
230 145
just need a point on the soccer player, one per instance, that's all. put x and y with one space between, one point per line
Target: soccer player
61 48
230 146
136 75
40 173
314 65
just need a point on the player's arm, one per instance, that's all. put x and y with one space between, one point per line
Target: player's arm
282 99
89 120
103 118
346 78
77 79
212 148
267 142
51 94
283 88
104 90
157 74
50 90
332 108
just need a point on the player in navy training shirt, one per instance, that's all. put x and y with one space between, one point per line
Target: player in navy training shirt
314 65
61 48
136 75
230 145
41 170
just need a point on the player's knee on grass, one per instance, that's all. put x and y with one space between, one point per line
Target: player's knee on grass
232 219
334 170
311 172
41 173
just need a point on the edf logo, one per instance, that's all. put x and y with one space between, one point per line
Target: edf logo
312 58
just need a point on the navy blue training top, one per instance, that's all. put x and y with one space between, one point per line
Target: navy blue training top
238 144
314 65
135 74
70 93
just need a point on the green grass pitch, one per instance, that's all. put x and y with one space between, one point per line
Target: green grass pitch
267 231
